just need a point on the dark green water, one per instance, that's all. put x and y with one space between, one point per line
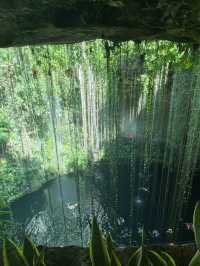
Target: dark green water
53 216
60 213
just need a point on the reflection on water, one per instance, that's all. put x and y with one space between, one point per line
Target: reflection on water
55 219
52 219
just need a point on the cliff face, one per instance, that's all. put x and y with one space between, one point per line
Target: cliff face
59 21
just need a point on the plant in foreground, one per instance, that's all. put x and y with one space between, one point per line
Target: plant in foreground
28 255
103 254
196 225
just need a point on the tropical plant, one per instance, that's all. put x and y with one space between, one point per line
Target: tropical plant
102 252
28 255
147 257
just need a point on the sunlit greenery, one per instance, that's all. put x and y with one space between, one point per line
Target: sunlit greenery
64 108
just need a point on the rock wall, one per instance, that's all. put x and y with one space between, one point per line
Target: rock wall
58 21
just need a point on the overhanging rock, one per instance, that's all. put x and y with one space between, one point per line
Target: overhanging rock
60 21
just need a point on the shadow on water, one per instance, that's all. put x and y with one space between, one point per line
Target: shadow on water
122 207
41 213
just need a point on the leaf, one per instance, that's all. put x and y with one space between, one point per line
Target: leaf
169 260
109 243
149 262
12 255
114 261
30 250
4 212
31 253
196 224
138 258
195 261
39 261
6 222
156 259
98 251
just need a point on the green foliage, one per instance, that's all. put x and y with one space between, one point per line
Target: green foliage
170 261
145 257
121 151
4 128
16 177
114 261
28 255
138 259
32 254
75 159
142 256
4 221
196 225
155 259
61 104
98 249
8 181
16 174
13 255
65 87
195 261
102 252
30 251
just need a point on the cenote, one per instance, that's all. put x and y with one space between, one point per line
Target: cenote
100 133
100 129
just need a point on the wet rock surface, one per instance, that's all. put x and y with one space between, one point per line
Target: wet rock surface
58 21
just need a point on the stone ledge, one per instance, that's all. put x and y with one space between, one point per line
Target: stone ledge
76 256
58 21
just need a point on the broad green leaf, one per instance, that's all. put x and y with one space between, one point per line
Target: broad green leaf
12 255
156 259
169 260
98 251
195 260
196 224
